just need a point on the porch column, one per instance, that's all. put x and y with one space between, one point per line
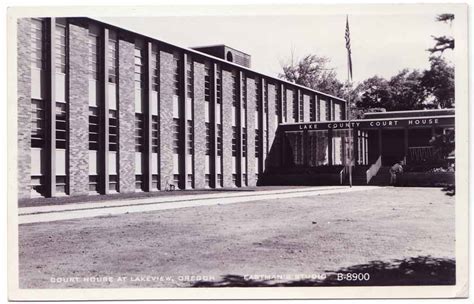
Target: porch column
356 146
405 132
330 161
305 148
380 141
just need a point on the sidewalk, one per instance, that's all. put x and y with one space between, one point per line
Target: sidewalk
115 207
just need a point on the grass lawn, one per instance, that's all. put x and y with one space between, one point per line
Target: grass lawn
244 244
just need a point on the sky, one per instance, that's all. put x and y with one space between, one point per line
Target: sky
381 44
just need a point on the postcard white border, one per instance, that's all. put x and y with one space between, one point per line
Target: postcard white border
461 96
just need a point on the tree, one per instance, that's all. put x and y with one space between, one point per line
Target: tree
443 43
438 81
373 92
406 92
312 71
445 143
402 92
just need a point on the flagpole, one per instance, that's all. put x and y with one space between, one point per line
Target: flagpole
351 136
349 76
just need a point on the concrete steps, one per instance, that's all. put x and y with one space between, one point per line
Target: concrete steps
382 178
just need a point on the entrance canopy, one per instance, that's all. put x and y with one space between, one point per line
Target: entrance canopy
387 137
381 123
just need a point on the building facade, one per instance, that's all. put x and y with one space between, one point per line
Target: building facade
104 110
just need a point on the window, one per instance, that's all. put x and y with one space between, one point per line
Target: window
220 180
311 109
285 106
113 183
301 102
208 139
207 83
61 125
235 99
94 128
189 79
265 99
234 179
190 137
337 111
176 81
190 181
257 144
176 136
234 141
219 140
37 123
295 106
139 68
94 52
257 94
244 142
38 54
244 92
138 182
244 179
154 134
277 101
155 72
37 185
61 183
154 181
112 59
93 183
176 180
229 56
60 48
218 85
113 130
207 180
265 142
139 132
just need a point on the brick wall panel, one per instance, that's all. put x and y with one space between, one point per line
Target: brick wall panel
227 128
166 119
199 127
126 117
251 99
290 106
24 107
78 111
272 120
306 100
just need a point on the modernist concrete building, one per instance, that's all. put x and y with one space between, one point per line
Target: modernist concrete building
102 110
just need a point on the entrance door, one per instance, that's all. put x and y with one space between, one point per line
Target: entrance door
393 146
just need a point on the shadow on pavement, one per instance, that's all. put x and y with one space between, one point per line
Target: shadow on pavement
450 190
422 270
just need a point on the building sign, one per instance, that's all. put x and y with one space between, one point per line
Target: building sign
372 123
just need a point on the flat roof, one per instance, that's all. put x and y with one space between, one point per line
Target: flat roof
392 122
189 50
409 113
219 45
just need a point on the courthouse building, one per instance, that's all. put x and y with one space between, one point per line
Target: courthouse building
102 110
105 110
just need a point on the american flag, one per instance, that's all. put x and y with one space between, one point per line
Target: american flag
348 47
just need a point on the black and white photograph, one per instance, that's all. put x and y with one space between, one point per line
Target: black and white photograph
292 151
